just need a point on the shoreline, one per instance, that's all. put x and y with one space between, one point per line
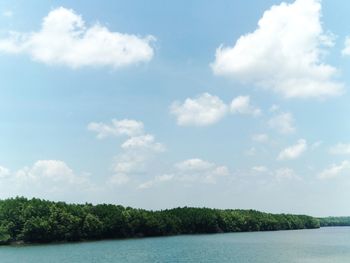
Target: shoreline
35 221
24 244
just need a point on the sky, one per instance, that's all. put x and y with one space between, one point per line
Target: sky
232 104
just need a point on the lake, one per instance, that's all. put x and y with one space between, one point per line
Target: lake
306 246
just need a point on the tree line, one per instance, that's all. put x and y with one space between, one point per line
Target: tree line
40 221
335 221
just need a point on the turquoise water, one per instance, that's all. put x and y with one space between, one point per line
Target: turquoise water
305 246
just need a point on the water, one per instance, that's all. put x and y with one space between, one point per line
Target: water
304 246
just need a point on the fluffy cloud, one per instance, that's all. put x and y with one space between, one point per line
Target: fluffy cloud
340 148
138 150
194 164
346 50
281 57
283 123
207 109
45 179
203 110
189 172
129 162
241 104
64 39
53 171
199 170
293 151
334 170
137 154
146 141
136 157
116 128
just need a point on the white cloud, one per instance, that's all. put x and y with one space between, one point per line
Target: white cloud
64 39
135 160
195 164
207 109
136 155
346 50
198 170
334 170
262 137
45 179
280 174
293 151
189 172
138 150
146 141
129 162
241 105
55 171
283 123
203 110
281 57
340 148
116 128
51 169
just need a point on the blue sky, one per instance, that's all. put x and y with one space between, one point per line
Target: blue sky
228 104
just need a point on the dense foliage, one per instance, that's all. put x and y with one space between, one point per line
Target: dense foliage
335 221
35 220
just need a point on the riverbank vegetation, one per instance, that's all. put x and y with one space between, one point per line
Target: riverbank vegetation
40 221
335 221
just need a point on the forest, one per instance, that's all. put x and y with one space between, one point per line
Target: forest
34 220
334 221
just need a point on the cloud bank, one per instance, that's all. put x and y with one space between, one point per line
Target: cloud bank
64 39
284 54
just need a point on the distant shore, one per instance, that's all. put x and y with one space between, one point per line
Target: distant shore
30 221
